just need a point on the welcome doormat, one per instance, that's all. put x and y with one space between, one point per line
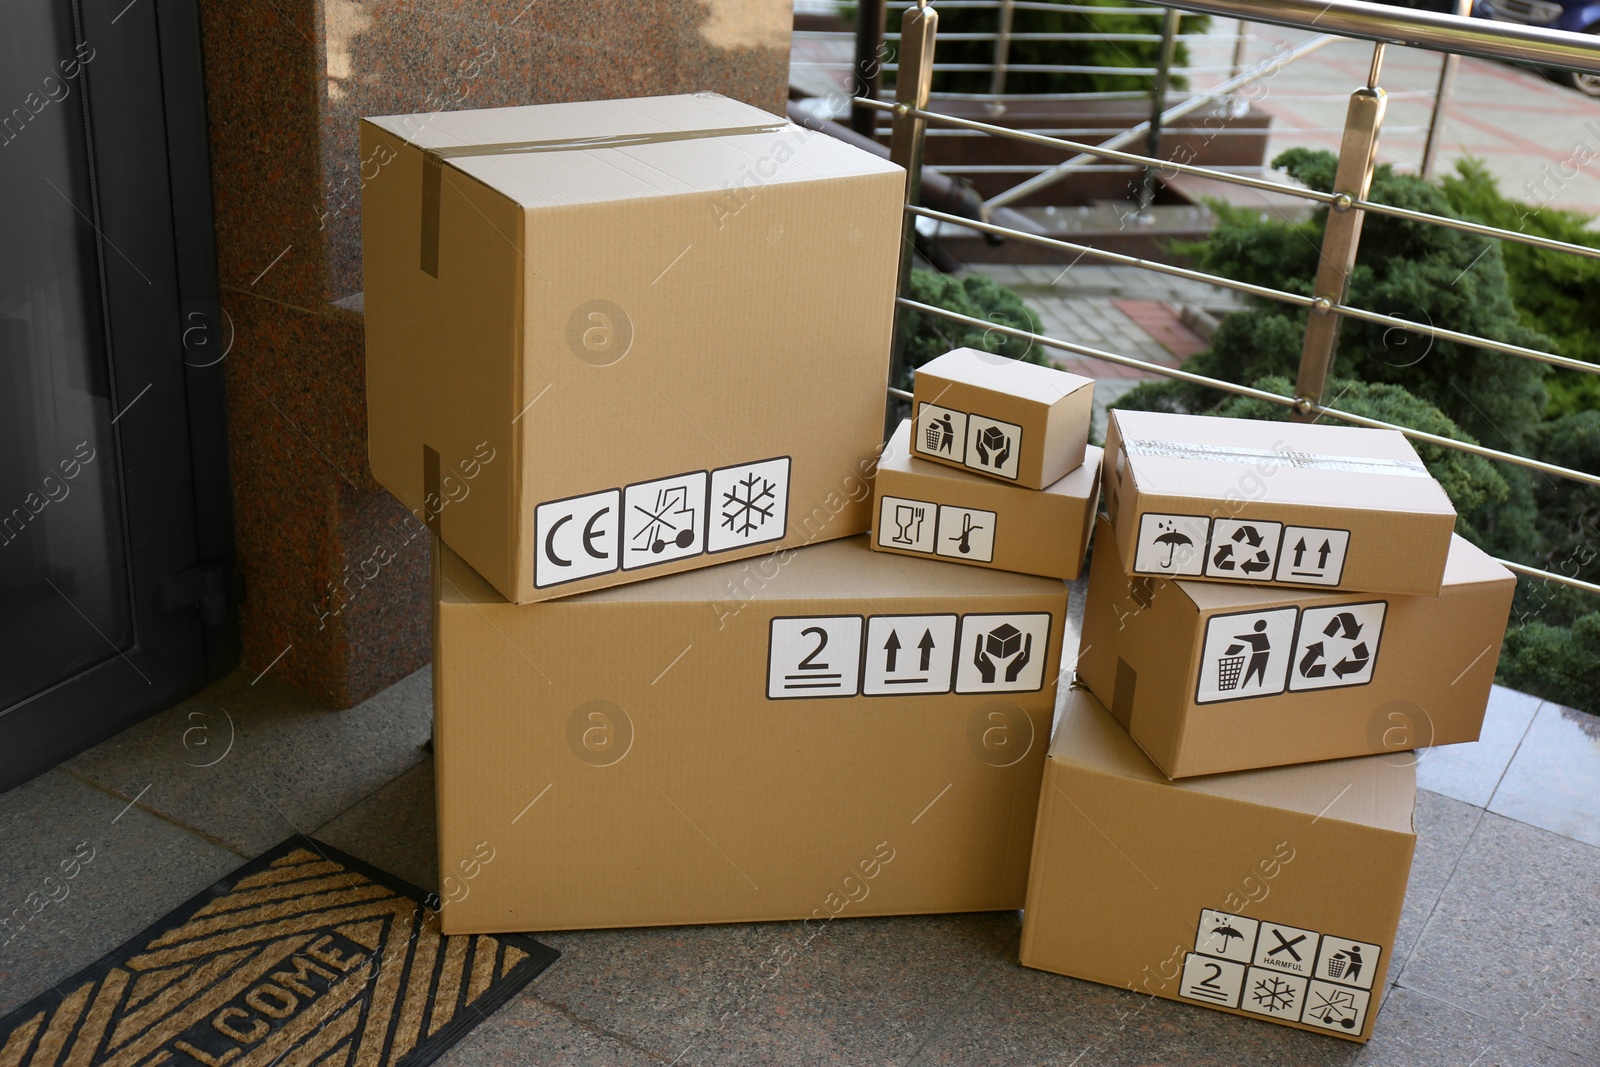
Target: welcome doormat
304 956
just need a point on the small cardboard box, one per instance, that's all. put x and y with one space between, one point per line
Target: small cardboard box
927 509
1211 677
1273 894
596 333
1274 503
1001 417
824 731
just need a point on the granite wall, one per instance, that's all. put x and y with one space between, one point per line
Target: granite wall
336 572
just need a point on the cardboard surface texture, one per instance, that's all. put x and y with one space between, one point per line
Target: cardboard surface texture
1274 503
595 333
1001 417
825 731
1273 894
1211 677
927 509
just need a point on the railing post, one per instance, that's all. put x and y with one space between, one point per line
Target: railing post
868 65
1357 154
1002 58
913 82
1158 105
1447 79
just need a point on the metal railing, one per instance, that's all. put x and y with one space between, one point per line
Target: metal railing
1348 203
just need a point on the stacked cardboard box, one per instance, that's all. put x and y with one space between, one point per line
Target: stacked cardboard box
1285 610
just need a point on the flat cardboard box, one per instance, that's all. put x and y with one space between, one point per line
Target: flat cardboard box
1271 894
596 332
1001 417
782 738
1337 674
928 509
1274 503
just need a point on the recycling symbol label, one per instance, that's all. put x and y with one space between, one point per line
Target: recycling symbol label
1243 548
1337 645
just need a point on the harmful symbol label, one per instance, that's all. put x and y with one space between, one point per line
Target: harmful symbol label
909 654
1245 655
1214 981
1172 544
576 538
1286 948
1337 645
1313 555
814 657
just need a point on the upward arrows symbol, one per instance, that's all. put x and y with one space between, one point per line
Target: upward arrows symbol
926 645
1322 555
892 647
1299 551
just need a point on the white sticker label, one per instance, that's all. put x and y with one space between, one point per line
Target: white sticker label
1213 981
1245 655
909 654
749 504
941 432
966 533
1171 544
814 657
1279 995
663 520
576 538
993 446
1232 937
1337 646
1337 1008
1244 549
1002 653
909 525
1313 555
1346 961
1286 948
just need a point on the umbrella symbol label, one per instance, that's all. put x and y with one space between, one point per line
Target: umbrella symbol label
1171 544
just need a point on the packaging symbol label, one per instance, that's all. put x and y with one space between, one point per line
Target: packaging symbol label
1241 549
910 525
1172 544
941 432
749 504
993 446
966 533
1214 980
909 654
1337 645
970 439
663 520
577 537
1269 993
1246 654
1312 554
1002 653
814 657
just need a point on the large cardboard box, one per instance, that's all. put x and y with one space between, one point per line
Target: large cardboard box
925 509
1274 503
1212 677
1001 417
825 731
1273 894
596 333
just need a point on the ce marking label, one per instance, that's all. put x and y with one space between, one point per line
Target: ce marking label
578 537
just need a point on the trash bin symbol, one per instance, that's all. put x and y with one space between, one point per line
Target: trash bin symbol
1228 671
1336 965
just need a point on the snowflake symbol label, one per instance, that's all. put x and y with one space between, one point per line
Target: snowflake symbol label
1274 994
751 502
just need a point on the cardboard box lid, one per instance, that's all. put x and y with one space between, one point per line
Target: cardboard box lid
1376 791
550 155
1321 466
897 456
1467 564
844 570
985 370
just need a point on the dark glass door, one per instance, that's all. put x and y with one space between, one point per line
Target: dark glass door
114 528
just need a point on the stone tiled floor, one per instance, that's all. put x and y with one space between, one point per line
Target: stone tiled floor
1497 955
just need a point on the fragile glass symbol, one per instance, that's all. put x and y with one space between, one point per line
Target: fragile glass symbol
671 523
908 523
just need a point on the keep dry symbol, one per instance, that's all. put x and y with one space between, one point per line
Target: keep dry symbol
1226 931
1172 539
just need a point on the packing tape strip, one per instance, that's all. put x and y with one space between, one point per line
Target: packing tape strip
433 160
1315 461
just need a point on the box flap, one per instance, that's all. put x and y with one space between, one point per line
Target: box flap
1467 564
541 166
1319 466
843 569
1377 791
985 370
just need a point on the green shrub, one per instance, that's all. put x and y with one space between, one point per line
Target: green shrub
926 336
1559 663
